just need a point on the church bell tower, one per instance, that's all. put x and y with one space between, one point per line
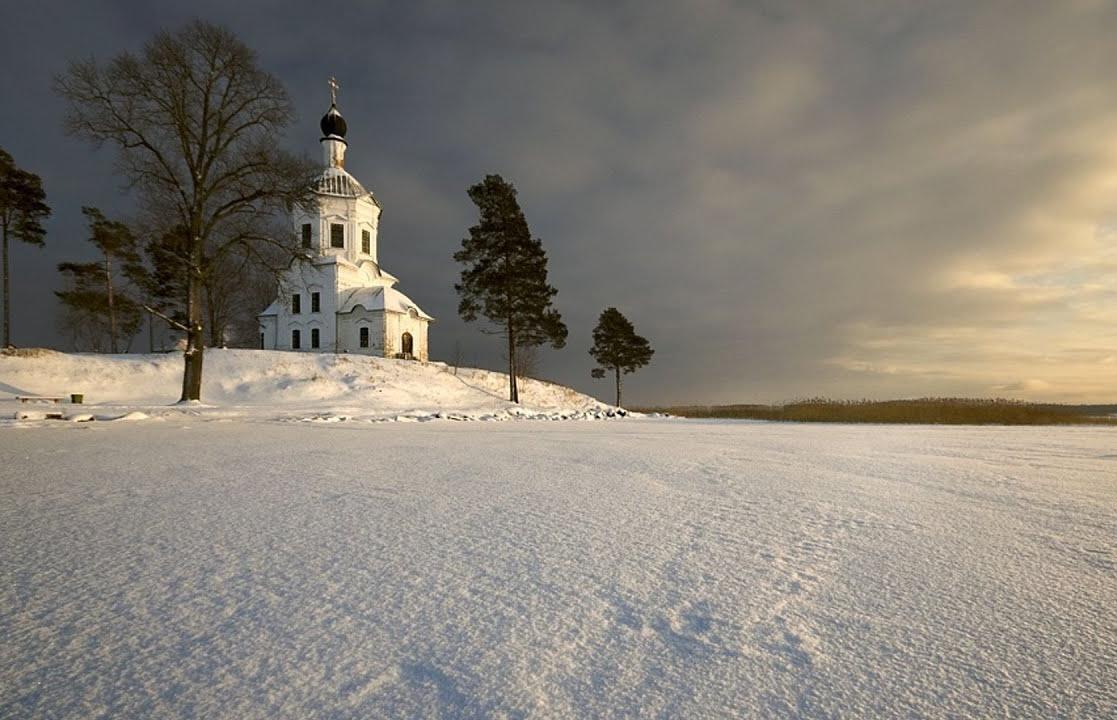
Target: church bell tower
341 300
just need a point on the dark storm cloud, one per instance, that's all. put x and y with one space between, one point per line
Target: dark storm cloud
786 198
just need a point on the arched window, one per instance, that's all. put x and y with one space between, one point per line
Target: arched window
406 344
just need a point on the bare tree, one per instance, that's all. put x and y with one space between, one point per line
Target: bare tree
457 357
240 291
197 124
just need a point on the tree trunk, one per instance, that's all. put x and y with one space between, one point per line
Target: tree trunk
513 390
195 342
112 308
7 294
617 370
216 332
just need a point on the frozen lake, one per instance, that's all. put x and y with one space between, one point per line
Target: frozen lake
202 568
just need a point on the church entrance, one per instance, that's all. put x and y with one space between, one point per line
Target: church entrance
406 345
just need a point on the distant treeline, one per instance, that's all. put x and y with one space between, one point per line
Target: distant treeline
928 411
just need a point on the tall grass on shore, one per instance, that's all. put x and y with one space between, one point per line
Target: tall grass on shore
925 411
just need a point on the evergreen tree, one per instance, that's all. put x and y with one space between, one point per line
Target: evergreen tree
161 279
505 275
22 209
95 300
617 347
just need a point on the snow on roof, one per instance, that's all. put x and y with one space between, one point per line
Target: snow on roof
336 181
372 268
379 298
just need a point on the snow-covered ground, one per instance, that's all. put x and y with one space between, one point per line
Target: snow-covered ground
266 384
210 567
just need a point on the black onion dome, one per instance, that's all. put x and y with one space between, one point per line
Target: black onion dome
333 123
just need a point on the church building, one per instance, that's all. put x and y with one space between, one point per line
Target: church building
341 300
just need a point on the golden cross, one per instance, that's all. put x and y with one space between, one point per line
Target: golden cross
333 90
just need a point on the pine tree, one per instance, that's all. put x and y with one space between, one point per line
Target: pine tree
95 301
505 275
617 347
158 278
22 209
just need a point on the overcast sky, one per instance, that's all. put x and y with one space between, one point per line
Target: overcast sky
853 199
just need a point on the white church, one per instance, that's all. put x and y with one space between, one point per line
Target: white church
341 300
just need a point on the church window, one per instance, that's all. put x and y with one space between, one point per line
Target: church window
314 337
296 304
261 341
364 337
306 235
366 242
315 302
337 235
296 340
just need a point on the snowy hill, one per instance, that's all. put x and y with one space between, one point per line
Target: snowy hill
307 386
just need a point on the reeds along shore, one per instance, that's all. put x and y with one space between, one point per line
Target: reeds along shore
923 411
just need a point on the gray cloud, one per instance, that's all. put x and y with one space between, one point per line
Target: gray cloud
858 199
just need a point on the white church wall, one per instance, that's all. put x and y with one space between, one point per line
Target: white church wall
287 336
369 219
336 212
300 217
305 279
325 335
354 215
348 277
419 332
399 323
267 330
349 331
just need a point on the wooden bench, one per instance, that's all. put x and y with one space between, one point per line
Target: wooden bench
24 399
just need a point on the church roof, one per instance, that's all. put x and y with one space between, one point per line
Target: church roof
333 123
379 298
372 268
336 181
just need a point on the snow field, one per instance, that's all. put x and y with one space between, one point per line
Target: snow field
661 568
